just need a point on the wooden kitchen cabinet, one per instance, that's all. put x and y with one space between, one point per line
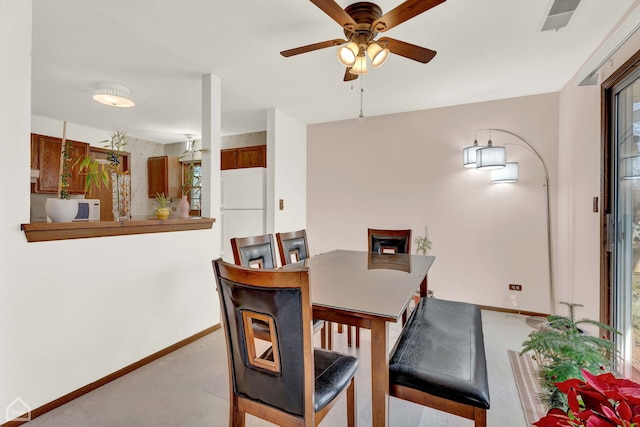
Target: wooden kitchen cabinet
164 174
244 157
46 158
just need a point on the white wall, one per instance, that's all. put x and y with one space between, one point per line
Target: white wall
580 180
289 169
74 311
405 171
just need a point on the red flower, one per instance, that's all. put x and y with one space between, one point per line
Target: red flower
602 401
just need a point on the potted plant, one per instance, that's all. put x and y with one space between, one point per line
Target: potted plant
424 244
98 172
563 350
63 208
599 401
163 211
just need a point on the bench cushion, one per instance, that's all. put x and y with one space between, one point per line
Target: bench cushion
441 352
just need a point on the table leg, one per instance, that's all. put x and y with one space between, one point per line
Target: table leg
379 374
424 287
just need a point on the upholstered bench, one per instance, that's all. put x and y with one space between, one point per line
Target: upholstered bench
439 360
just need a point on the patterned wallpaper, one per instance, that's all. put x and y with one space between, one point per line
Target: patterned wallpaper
140 150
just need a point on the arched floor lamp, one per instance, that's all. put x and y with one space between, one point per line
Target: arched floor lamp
469 159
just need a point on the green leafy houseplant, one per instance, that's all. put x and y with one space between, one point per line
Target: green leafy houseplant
563 350
97 172
162 200
162 212
424 244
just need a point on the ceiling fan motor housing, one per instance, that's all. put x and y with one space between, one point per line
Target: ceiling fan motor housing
364 13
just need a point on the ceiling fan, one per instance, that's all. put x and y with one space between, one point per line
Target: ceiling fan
362 22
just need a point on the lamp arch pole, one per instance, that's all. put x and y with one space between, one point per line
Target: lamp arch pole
532 150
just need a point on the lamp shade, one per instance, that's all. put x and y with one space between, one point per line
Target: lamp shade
377 54
509 173
114 95
490 158
348 53
630 168
360 67
469 155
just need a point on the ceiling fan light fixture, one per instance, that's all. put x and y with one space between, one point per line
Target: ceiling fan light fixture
377 54
348 54
114 95
360 67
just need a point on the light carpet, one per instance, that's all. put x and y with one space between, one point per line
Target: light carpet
524 372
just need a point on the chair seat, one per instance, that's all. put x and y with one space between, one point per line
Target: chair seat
333 371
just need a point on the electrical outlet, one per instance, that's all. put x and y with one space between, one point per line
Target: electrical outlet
515 287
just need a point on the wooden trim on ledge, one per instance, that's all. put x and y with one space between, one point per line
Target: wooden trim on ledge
114 376
47 231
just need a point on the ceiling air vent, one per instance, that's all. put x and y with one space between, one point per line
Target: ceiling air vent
558 14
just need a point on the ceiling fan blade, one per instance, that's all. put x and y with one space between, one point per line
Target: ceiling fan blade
312 47
408 50
403 12
333 9
348 76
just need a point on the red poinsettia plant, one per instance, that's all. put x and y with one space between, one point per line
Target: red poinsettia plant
602 401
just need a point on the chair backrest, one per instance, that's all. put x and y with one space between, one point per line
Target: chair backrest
390 241
254 251
292 246
282 376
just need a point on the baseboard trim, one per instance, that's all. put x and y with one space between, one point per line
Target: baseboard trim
113 376
512 311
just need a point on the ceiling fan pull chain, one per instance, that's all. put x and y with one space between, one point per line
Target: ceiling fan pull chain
361 97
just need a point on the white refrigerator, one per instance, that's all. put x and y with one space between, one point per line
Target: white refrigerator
243 200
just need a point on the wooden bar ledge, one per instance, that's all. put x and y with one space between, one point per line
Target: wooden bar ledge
47 231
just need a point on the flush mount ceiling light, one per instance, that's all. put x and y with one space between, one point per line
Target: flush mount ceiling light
114 95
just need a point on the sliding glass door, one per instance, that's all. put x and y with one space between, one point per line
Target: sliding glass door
623 221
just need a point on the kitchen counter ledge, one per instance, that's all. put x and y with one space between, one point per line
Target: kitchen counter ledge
47 231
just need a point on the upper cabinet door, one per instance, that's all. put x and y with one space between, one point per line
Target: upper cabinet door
252 157
243 157
48 161
164 176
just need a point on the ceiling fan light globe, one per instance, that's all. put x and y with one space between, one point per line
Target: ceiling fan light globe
377 54
360 67
347 54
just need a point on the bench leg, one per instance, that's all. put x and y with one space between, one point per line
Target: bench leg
480 417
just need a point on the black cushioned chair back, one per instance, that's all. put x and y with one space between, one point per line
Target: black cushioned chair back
249 251
294 242
396 241
284 390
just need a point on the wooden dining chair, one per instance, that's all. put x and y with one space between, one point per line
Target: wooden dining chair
254 251
260 252
389 241
385 242
283 379
293 246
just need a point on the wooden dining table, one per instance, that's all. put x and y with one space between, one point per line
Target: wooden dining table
368 290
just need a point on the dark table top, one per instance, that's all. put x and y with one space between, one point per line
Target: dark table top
372 284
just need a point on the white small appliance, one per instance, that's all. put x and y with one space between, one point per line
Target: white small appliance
88 210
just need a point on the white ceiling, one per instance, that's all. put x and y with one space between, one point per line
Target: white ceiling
489 49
